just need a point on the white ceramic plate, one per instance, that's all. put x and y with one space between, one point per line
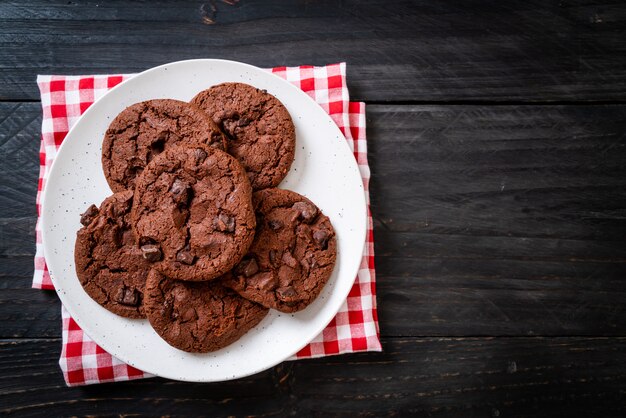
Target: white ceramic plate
324 170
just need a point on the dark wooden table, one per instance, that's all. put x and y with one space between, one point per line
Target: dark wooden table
498 151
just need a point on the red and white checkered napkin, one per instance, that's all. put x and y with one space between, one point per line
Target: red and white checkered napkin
355 328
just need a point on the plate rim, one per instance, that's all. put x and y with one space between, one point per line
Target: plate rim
352 162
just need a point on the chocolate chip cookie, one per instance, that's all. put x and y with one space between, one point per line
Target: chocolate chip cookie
260 131
292 256
145 129
110 267
198 317
192 214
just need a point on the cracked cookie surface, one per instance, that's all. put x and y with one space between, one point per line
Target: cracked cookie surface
192 213
109 265
260 132
292 256
198 317
142 131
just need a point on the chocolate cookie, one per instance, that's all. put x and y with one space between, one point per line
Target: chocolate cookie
260 131
292 256
192 214
110 267
198 317
145 129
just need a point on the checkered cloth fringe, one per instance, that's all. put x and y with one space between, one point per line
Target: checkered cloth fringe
354 328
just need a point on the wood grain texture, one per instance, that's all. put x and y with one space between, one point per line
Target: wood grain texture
504 221
16 272
29 313
413 376
396 50
20 130
512 216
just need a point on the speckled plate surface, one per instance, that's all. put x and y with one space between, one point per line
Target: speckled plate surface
324 170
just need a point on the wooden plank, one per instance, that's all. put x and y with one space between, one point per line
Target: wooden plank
473 377
19 233
512 216
29 313
20 130
396 50
449 298
16 272
31 382
425 376
524 171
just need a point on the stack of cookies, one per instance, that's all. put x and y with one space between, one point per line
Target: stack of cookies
196 237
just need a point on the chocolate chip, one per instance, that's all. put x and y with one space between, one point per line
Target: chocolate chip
272 256
178 187
225 223
127 296
275 225
251 268
248 267
146 240
263 281
307 211
199 155
217 142
243 122
321 237
151 252
89 215
185 257
229 125
289 260
169 306
189 315
286 293
285 275
180 191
